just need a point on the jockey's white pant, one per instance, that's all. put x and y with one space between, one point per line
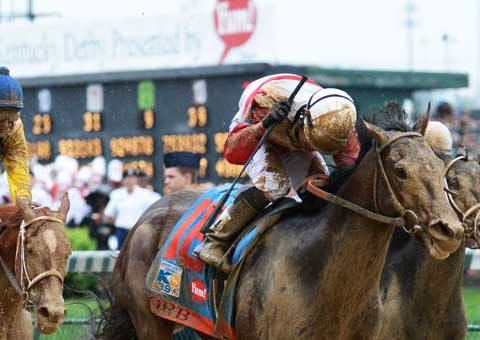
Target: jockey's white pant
275 171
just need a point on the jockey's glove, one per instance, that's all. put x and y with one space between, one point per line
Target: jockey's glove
277 114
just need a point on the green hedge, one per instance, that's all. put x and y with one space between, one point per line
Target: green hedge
80 239
79 281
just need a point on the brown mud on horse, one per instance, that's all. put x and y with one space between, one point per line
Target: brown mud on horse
422 296
34 249
313 275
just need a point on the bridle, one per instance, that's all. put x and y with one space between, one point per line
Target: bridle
25 283
408 219
470 231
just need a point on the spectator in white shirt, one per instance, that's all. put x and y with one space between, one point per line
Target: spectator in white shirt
127 204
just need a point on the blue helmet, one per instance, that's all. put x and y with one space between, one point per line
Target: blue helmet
11 94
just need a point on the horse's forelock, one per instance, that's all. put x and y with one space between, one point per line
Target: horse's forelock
395 118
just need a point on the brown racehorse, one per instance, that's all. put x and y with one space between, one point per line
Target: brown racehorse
37 262
422 297
312 275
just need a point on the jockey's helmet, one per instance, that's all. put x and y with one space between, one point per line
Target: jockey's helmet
332 120
439 137
11 94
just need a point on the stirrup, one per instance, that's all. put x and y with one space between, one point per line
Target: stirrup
221 264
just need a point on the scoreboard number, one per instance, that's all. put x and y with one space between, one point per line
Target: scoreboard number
148 119
42 124
92 122
197 116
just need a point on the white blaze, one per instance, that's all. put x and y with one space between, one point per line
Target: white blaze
50 240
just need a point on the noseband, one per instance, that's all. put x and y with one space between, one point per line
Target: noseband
26 282
470 231
407 220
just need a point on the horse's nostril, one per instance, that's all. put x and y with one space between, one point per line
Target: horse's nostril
43 311
442 229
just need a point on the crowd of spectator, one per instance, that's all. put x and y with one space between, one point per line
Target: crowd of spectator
105 197
92 188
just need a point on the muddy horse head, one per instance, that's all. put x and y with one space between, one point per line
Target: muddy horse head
42 250
462 176
411 175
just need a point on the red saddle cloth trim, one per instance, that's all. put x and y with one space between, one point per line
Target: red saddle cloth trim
172 248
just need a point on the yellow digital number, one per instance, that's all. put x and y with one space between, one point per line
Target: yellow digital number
202 116
148 119
42 150
225 169
42 124
80 148
197 116
192 117
132 146
220 139
92 122
192 143
202 170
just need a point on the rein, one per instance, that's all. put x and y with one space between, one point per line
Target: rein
26 283
407 220
471 232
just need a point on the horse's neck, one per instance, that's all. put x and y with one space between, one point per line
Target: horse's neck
424 281
349 247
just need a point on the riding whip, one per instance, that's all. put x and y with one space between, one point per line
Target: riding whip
265 136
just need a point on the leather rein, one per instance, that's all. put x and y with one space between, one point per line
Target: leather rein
26 282
470 231
407 220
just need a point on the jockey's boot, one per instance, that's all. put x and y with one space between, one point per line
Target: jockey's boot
244 209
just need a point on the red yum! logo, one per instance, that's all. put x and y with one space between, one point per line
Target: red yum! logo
235 22
199 292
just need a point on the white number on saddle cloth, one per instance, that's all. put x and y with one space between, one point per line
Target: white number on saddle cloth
168 280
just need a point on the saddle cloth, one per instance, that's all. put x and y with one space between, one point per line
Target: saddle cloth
180 286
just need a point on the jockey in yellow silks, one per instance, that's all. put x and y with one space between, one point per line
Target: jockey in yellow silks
13 145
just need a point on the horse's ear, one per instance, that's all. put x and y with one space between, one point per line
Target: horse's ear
64 206
24 207
422 122
376 132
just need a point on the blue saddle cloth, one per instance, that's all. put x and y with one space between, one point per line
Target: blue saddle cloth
180 286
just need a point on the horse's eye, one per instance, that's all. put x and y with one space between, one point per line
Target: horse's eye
401 173
453 182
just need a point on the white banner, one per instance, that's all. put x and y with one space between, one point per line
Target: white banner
223 34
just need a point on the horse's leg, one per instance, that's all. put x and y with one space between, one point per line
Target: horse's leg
142 249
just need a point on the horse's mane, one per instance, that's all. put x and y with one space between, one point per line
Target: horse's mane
395 118
11 216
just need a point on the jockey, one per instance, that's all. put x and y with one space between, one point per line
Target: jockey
13 146
318 121
439 137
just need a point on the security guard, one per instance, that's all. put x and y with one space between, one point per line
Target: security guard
181 172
